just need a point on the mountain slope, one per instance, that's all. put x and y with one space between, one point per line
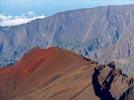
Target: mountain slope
101 33
53 74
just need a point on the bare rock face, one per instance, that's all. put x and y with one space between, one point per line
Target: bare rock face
53 74
112 84
102 34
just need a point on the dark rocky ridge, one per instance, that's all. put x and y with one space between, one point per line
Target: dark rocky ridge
101 33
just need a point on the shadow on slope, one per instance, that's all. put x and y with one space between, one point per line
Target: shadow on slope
102 91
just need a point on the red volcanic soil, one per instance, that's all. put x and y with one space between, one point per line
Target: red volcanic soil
54 74
37 67
35 59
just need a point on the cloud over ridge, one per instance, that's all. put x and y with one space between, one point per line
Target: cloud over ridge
10 20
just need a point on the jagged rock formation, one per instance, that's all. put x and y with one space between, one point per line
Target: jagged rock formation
53 74
101 33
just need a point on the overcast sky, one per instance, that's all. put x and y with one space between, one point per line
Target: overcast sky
12 9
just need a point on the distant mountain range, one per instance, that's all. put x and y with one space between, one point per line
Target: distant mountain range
101 33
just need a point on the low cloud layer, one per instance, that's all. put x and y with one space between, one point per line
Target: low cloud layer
9 20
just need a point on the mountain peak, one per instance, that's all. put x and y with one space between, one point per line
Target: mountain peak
61 72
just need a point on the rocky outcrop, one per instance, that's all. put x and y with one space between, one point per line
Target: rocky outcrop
110 83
